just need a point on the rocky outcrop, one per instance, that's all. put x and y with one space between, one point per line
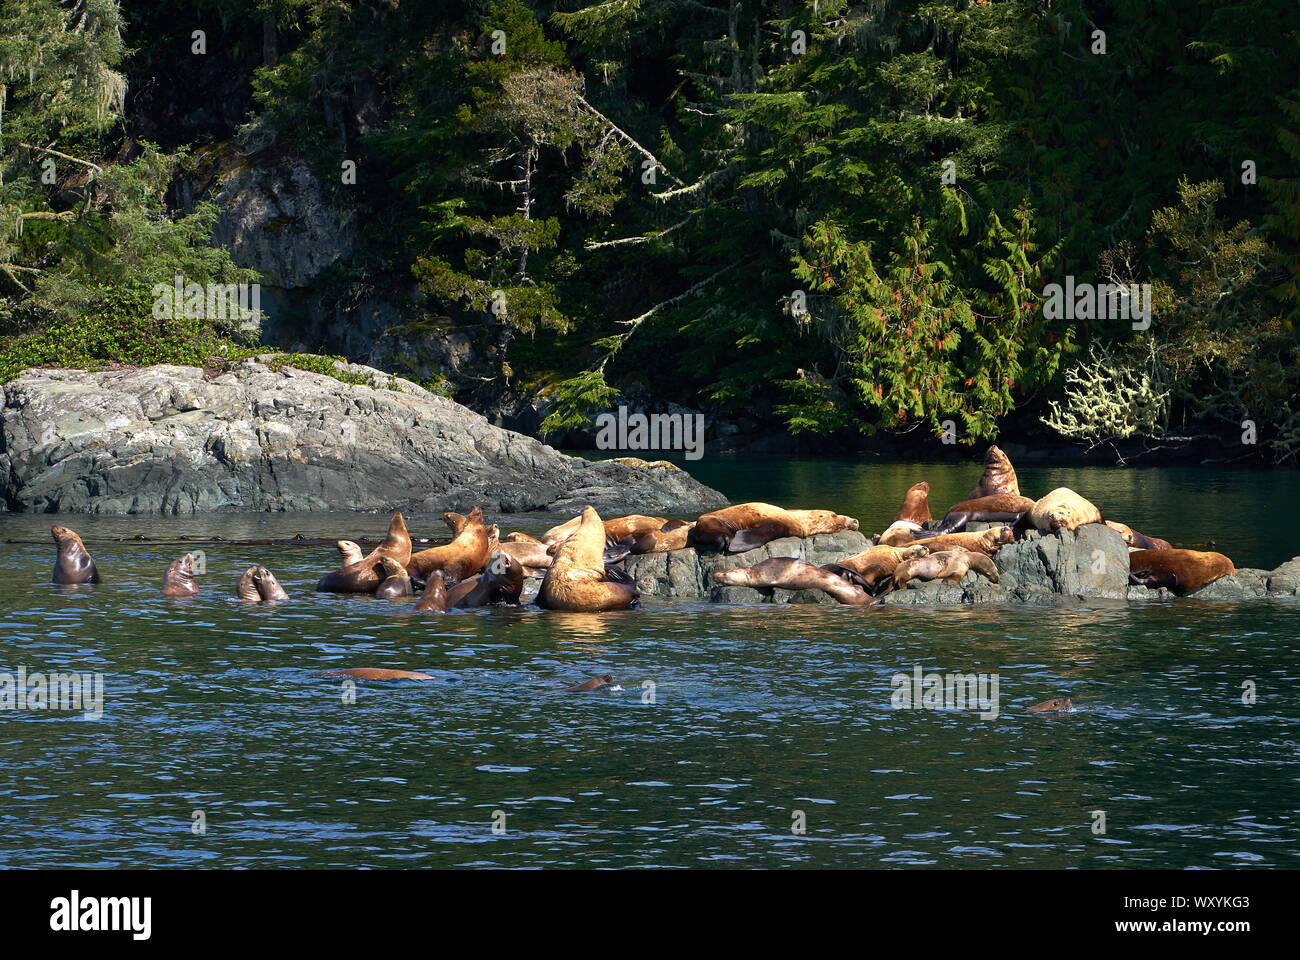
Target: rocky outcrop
171 439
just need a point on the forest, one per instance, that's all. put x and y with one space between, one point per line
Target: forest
841 220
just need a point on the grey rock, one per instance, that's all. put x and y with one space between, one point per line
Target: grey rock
1091 561
164 439
1231 588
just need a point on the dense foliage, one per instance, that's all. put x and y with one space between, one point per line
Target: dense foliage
835 216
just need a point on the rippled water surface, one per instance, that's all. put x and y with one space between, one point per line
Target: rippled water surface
761 717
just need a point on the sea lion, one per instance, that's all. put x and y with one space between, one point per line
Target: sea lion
874 566
597 681
578 578
999 477
364 575
350 552
811 522
1055 705
1063 509
73 563
376 673
258 585
986 542
518 537
396 582
749 525
671 537
998 508
434 598
501 582
460 559
633 525
1179 570
944 565
898 534
178 581
532 554
1137 540
916 505
792 574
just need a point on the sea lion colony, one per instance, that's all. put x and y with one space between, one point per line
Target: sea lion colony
578 560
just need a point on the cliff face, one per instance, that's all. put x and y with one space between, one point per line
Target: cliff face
169 439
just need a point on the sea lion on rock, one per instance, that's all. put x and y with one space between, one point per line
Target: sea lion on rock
749 525
986 542
460 559
578 578
597 681
396 582
178 581
364 575
1055 705
999 477
791 574
434 598
1137 540
916 505
671 537
882 553
1179 570
501 582
259 585
944 565
633 525
376 673
73 564
998 508
1063 509
517 537
898 534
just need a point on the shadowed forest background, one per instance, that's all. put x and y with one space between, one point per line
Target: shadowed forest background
827 219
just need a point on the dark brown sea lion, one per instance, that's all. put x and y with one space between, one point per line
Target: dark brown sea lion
792 574
597 681
364 575
1055 705
73 563
1138 540
178 581
998 508
999 477
986 542
749 525
259 585
376 673
1178 570
916 505
944 565
578 578
1063 509
434 598
460 559
501 582
396 583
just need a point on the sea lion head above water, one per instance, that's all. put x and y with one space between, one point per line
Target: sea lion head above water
916 505
364 575
396 581
179 581
597 681
1055 705
999 476
258 585
73 565
434 598
350 552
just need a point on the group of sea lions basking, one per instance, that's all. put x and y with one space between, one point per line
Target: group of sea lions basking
578 560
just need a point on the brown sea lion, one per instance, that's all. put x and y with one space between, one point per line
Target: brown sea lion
597 681
792 574
364 575
671 537
944 565
376 673
434 598
178 581
1063 509
350 552
73 564
396 583
898 534
1179 570
986 542
532 554
916 505
749 525
460 559
633 525
517 537
259 585
578 578
501 582
1055 705
998 508
1137 540
874 567
999 477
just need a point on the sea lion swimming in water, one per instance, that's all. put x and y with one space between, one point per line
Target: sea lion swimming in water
792 574
501 582
259 585
578 578
460 559
1180 571
1055 705
179 581
73 565
1137 540
916 505
999 477
376 673
434 598
998 508
1063 509
396 582
364 575
749 525
944 565
597 681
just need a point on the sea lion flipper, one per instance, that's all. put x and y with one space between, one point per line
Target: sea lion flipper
616 550
852 576
618 575
756 536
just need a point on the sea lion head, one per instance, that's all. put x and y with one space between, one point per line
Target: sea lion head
178 581
246 589
350 550
63 535
434 598
455 522
1055 705
916 504
388 567
267 585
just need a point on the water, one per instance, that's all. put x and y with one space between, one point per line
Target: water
760 715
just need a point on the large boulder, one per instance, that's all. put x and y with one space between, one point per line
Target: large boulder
172 439
1090 561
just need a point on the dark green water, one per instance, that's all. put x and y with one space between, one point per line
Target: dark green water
757 712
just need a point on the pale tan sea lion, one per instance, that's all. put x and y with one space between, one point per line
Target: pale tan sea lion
1063 509
944 565
791 574
749 525
459 560
1138 540
364 576
349 551
578 579
986 542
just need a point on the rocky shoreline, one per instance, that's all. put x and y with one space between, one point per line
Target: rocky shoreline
1089 563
